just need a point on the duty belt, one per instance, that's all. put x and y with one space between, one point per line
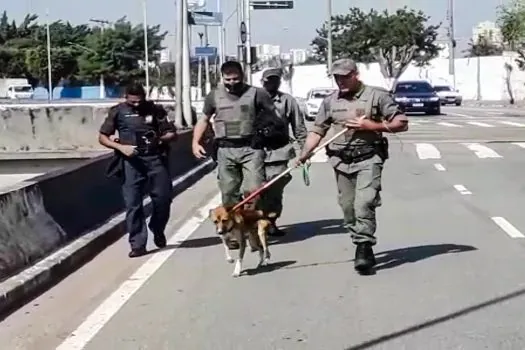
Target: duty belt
359 153
233 143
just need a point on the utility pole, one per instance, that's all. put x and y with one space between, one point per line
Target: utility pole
186 82
49 70
329 55
452 42
146 46
220 34
207 86
248 45
199 71
178 61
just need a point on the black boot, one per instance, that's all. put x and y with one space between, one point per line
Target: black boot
138 252
364 258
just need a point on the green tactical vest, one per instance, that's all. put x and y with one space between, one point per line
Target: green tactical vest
234 118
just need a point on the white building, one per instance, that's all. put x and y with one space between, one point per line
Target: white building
298 56
268 50
488 30
165 55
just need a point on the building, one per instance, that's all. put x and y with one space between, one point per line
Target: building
298 56
267 50
489 30
165 55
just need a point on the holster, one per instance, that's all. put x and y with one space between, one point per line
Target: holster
356 154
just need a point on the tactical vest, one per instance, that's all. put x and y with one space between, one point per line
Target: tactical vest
135 125
234 118
341 110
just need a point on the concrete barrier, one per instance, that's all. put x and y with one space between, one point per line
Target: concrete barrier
59 127
40 216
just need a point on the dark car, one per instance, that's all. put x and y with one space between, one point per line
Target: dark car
417 96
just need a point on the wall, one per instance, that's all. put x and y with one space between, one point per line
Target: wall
52 127
476 78
41 215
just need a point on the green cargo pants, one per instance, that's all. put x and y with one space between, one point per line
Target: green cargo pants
273 196
359 196
239 169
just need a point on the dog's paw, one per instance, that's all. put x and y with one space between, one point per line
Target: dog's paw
237 269
230 260
236 274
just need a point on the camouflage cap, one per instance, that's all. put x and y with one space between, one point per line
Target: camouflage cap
272 72
343 66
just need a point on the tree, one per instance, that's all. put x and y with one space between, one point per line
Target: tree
393 40
483 46
115 53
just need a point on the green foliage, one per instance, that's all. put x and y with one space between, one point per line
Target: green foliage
78 53
484 46
392 40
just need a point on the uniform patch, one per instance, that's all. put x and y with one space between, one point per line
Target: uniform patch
149 119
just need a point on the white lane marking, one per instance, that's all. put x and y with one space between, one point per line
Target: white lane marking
450 125
462 189
519 144
484 125
427 151
460 115
482 151
101 316
496 113
512 123
414 123
439 167
507 227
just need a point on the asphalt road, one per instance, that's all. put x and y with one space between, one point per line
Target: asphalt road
450 274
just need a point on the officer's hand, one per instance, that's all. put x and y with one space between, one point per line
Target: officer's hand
304 159
198 151
361 123
128 150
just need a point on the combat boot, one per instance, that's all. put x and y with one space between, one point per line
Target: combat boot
364 258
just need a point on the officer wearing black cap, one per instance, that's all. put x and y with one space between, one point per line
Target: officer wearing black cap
358 155
277 160
144 133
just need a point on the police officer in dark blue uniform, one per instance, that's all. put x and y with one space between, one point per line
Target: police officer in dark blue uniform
144 133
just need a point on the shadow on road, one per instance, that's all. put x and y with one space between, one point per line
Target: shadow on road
304 230
270 267
201 242
394 258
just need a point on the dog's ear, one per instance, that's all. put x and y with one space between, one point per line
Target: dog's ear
237 217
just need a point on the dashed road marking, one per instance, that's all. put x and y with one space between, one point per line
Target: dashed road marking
482 151
439 167
427 151
462 190
519 144
507 227
484 125
450 125
460 115
512 123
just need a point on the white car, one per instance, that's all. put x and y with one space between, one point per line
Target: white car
314 99
448 95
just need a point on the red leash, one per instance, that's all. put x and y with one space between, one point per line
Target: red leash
275 179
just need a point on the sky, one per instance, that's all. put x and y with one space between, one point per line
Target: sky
288 28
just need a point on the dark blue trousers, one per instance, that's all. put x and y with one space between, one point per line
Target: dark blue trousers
146 175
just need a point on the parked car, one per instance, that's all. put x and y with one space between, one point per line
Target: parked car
417 96
448 95
314 99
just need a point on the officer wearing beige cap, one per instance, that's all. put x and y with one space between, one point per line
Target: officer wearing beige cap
276 161
358 155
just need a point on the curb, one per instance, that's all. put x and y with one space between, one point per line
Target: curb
34 280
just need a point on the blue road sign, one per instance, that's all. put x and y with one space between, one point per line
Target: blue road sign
204 18
207 51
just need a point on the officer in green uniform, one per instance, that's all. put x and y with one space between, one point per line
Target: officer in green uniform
358 156
277 160
236 106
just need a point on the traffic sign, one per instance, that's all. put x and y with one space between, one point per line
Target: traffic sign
205 18
272 4
206 51
196 4
243 32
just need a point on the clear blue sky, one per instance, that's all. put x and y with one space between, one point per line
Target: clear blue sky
288 28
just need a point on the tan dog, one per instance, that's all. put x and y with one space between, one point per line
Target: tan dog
239 225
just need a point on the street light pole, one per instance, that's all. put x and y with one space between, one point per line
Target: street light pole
452 42
49 70
146 46
329 56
